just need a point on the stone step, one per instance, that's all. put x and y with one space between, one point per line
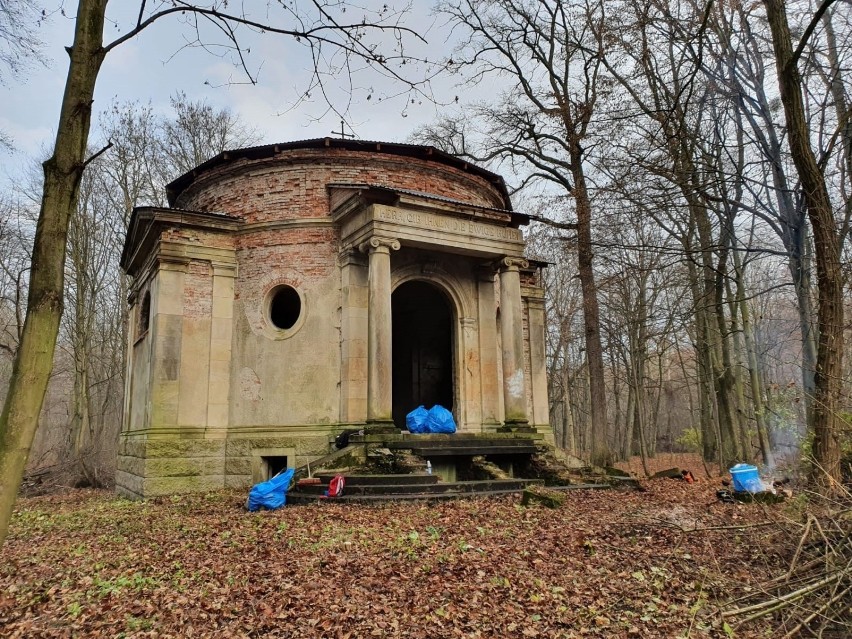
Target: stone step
382 480
452 440
451 490
465 447
425 489
384 499
472 451
405 436
581 487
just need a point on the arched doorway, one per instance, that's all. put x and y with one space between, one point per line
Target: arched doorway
422 349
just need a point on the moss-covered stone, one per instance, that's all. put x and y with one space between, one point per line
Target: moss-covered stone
128 485
238 466
185 448
238 481
156 486
244 447
540 495
131 465
132 446
184 467
615 472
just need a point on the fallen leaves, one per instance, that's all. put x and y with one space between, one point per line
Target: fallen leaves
601 565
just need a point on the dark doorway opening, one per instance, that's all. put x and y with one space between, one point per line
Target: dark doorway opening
422 349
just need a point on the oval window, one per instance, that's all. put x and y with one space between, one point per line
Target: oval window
285 306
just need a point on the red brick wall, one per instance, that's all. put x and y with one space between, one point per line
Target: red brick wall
198 237
310 252
292 185
198 290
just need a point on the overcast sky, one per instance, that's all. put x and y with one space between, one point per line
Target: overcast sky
156 65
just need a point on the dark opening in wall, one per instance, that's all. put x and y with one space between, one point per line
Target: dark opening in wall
274 465
144 314
284 307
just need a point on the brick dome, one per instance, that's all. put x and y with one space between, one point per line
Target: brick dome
290 181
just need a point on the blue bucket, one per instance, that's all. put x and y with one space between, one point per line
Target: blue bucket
746 478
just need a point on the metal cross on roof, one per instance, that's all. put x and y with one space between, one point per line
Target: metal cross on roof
343 135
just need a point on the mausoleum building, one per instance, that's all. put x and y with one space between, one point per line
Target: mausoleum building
295 290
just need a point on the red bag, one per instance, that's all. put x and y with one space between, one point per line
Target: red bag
335 486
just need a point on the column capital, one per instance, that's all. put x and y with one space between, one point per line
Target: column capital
512 263
380 244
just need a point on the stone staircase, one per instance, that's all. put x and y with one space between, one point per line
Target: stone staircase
403 487
382 466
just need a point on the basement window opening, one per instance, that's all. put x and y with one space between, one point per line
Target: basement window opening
274 465
285 307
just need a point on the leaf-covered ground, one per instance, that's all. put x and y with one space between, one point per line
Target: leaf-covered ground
605 564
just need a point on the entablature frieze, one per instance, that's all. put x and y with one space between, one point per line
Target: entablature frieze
431 230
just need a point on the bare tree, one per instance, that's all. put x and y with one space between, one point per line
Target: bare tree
20 44
14 271
657 62
197 132
829 361
326 31
540 126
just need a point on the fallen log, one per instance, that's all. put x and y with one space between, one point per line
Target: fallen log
670 473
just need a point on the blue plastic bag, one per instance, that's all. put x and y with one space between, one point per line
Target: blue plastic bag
270 494
415 421
440 420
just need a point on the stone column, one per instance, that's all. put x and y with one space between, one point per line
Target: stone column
489 358
221 337
512 335
379 360
538 363
353 336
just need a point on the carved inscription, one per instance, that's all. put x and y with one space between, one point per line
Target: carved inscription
450 224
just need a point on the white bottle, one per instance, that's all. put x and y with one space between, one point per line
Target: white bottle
428 467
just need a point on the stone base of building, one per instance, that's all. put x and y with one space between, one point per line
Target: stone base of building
153 464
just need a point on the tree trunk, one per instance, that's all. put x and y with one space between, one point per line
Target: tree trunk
62 174
829 361
724 367
599 447
706 413
753 371
568 440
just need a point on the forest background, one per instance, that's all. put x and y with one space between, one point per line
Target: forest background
649 138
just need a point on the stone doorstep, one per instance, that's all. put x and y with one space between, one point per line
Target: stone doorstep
454 437
469 443
473 451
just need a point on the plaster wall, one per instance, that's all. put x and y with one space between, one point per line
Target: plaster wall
287 377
